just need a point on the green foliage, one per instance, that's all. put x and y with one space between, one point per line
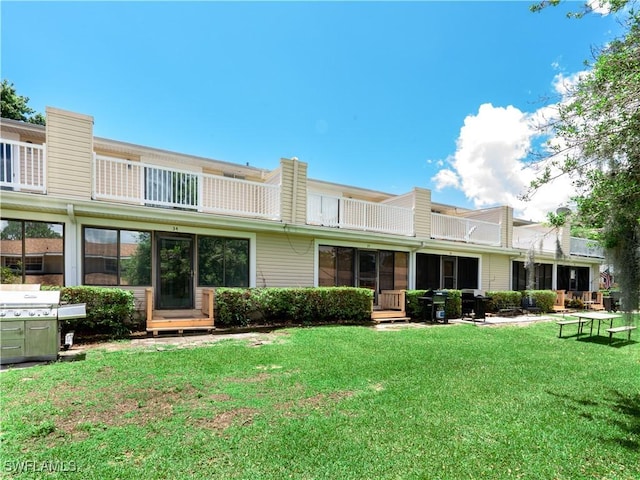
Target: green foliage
8 276
250 306
15 106
503 299
335 403
109 310
575 303
544 299
599 124
13 230
136 270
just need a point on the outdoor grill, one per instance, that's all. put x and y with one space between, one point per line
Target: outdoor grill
29 328
474 303
434 304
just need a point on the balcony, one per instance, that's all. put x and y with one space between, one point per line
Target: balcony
331 211
585 248
124 181
536 237
22 166
459 229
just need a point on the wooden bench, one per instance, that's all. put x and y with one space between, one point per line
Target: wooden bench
508 311
577 321
624 328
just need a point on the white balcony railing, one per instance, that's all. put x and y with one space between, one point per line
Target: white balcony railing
330 211
22 166
585 248
538 238
447 227
146 184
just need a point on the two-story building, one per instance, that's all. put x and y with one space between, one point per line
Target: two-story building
83 210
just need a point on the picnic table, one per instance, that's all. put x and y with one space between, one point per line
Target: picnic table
582 318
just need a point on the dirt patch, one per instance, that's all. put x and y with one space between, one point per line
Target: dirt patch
297 407
238 416
82 411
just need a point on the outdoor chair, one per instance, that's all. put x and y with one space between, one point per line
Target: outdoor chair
528 304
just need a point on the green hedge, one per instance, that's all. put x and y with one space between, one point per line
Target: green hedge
498 299
544 299
254 306
110 311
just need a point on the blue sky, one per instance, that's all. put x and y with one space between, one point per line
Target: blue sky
381 95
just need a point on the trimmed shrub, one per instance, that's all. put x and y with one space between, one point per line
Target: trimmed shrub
503 299
239 307
545 299
110 311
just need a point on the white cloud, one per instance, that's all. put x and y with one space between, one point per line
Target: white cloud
446 178
603 7
490 166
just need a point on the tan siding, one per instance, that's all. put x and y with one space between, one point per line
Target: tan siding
301 194
496 272
286 192
293 194
565 238
138 297
69 153
422 213
284 260
506 232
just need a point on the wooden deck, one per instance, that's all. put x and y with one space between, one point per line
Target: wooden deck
391 307
180 320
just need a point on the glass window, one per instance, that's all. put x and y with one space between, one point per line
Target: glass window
393 270
439 271
518 276
345 267
336 266
223 262
134 258
116 257
542 276
379 269
32 252
467 272
6 166
327 262
427 271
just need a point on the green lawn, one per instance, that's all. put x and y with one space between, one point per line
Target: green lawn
448 402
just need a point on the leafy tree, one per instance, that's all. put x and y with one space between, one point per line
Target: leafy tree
136 270
599 126
15 106
13 231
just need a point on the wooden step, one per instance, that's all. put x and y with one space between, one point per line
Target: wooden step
391 319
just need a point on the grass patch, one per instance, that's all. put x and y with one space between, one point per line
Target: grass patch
335 402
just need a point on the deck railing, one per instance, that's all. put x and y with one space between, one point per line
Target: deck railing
22 166
447 227
330 211
585 248
541 239
146 184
